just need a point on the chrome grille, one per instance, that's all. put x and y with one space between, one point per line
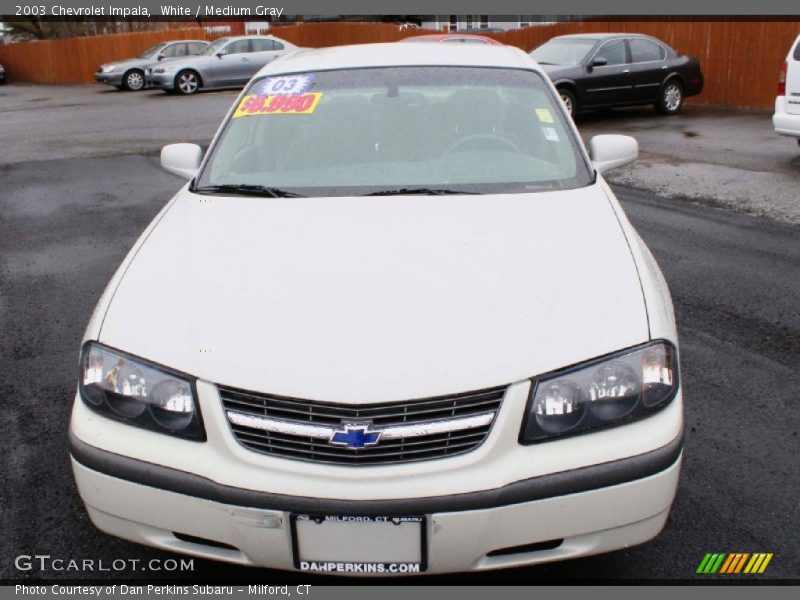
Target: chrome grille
411 430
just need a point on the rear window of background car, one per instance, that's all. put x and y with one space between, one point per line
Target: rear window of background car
265 46
645 50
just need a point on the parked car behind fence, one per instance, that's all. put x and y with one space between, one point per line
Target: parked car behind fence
228 62
128 74
596 70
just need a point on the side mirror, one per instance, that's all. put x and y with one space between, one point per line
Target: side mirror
599 61
219 55
612 151
161 57
182 159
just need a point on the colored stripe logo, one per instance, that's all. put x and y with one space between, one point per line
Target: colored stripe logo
734 563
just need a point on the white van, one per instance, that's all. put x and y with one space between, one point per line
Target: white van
787 105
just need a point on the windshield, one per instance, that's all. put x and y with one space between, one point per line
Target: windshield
379 130
214 47
563 52
152 51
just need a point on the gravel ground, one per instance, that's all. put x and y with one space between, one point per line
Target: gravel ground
726 158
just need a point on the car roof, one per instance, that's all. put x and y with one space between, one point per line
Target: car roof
248 37
599 36
447 36
400 55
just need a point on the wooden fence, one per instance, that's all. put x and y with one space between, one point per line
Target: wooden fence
75 60
740 59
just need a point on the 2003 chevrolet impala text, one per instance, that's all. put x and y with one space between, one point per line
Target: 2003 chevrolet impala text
396 322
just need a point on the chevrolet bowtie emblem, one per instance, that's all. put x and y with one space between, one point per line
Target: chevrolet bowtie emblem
355 436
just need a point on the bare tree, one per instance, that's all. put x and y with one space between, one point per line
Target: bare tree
34 28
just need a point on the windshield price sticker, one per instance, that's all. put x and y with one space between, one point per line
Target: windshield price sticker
302 104
544 115
287 85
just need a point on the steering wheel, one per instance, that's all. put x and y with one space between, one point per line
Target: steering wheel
489 137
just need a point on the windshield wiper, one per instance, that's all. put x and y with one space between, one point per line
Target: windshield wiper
420 191
246 190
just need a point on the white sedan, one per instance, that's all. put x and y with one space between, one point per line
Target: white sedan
396 322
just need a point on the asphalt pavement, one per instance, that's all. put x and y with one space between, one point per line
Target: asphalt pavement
67 222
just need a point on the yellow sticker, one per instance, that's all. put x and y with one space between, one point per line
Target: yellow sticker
544 115
296 104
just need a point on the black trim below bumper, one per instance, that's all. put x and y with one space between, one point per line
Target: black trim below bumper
538 488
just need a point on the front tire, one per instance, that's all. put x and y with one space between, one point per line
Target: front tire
671 99
187 82
568 99
133 80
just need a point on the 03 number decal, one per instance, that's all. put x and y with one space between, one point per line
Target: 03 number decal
293 84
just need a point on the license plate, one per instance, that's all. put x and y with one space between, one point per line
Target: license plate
353 544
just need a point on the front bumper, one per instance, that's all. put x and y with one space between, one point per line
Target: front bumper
484 509
112 78
784 122
517 525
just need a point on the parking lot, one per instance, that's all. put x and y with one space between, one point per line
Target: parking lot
714 195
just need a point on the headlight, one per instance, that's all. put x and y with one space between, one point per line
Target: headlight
108 68
139 393
601 393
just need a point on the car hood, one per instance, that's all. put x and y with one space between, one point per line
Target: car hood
130 62
372 299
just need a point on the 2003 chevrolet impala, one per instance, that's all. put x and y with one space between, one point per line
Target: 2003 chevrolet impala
396 322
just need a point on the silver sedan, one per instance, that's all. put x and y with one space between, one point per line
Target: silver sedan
228 62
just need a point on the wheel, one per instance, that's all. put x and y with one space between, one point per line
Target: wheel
568 98
671 98
133 80
187 82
